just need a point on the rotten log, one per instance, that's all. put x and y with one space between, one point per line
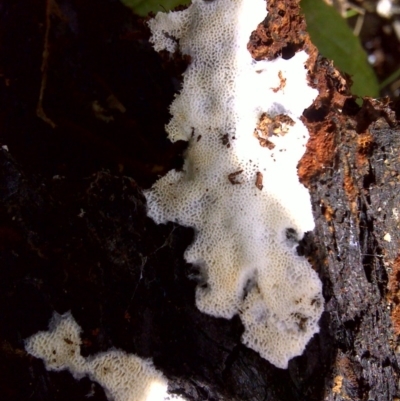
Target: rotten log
75 235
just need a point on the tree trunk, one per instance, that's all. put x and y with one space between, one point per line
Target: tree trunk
84 102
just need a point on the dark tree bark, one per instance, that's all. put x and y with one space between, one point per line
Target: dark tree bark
84 102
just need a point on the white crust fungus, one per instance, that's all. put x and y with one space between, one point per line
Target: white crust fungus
124 377
246 230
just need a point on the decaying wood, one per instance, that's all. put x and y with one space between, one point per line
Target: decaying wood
355 243
75 236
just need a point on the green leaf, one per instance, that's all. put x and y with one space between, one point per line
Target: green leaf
335 40
143 7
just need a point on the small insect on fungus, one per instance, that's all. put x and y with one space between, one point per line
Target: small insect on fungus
259 180
232 177
282 82
225 140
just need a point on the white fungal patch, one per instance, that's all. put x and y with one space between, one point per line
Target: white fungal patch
245 232
124 377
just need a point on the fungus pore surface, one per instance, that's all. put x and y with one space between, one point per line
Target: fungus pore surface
124 377
243 199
